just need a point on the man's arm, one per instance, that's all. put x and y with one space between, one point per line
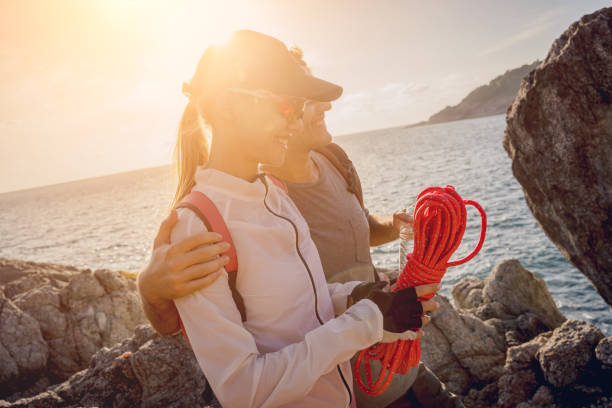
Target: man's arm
386 229
178 270
163 316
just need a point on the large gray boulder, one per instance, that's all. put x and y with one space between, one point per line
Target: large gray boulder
559 137
64 316
461 349
23 352
512 299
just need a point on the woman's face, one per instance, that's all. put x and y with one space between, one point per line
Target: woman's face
263 123
315 133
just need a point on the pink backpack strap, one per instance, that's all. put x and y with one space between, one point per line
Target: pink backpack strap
277 182
205 209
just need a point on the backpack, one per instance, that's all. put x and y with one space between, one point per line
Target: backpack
207 212
338 157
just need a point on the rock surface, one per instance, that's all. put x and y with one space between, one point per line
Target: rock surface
471 354
23 352
568 351
548 360
520 377
559 137
603 352
55 319
461 349
146 370
512 299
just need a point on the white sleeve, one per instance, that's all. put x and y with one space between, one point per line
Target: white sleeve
239 375
339 293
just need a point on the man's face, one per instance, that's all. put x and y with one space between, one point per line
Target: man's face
315 131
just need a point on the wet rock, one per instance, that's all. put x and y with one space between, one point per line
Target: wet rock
568 351
559 137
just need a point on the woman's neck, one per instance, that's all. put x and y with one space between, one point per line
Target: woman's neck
298 167
231 160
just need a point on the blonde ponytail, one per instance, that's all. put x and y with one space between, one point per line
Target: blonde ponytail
190 151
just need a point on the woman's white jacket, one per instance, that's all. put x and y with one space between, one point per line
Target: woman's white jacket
294 347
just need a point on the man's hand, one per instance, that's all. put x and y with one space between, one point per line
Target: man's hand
178 270
402 219
386 229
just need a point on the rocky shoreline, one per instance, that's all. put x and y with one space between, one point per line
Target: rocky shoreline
78 338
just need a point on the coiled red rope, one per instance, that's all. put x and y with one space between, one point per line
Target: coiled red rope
439 225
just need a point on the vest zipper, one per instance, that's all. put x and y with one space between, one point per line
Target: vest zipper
314 288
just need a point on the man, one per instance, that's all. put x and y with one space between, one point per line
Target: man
322 182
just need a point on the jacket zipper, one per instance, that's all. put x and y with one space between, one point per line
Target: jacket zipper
314 289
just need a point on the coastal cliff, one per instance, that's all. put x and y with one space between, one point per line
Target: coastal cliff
493 98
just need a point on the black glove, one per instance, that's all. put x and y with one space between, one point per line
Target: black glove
401 309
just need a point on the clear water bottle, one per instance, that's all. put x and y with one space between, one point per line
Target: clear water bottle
405 244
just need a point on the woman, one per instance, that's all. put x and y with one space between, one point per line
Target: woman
291 350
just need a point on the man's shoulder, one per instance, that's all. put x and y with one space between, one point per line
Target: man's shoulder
329 166
336 155
340 160
334 150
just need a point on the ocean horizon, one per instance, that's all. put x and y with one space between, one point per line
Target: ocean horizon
110 221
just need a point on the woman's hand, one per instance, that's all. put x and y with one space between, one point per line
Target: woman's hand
403 312
182 268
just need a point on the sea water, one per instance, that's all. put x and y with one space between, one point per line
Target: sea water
110 222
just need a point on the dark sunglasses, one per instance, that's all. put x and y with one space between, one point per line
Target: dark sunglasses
291 107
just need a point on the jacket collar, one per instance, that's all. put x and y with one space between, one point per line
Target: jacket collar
232 186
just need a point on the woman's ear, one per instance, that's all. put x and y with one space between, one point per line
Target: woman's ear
223 106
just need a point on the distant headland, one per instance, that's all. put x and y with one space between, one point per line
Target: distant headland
486 100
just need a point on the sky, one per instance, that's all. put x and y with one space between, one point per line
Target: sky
93 87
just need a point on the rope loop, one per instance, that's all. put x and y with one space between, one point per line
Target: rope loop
439 224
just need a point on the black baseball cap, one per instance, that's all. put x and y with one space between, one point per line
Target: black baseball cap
252 60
